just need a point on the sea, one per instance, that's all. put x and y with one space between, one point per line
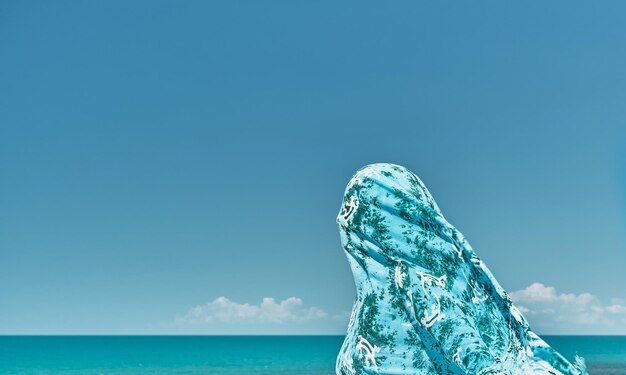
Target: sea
230 355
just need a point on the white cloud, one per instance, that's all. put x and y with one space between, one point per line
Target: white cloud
538 292
616 309
551 312
223 310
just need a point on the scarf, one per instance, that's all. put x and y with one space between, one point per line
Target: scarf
426 303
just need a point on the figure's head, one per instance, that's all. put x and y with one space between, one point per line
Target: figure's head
384 203
380 184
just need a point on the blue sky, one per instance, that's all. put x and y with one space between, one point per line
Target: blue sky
171 167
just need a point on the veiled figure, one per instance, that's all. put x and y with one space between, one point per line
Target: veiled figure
426 304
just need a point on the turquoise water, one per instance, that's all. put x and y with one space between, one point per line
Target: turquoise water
230 355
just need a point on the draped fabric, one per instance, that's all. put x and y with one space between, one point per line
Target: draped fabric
426 303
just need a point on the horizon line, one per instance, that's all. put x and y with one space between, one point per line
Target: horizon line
255 335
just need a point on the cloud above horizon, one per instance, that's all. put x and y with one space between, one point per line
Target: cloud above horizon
549 311
269 311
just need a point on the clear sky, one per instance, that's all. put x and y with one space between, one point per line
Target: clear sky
165 166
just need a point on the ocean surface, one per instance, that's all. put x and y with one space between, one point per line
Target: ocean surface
230 355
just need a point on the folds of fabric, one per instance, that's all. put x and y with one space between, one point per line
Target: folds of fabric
426 304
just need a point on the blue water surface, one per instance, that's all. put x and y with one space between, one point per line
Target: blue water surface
230 355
